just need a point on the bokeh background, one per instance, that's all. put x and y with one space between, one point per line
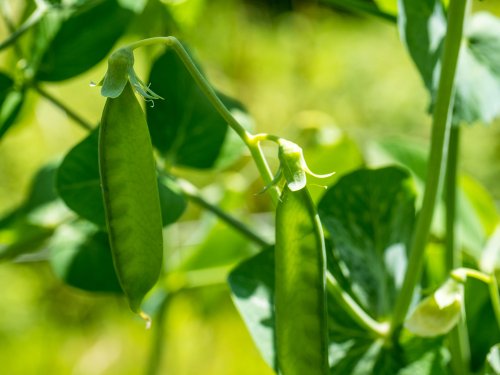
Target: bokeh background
328 79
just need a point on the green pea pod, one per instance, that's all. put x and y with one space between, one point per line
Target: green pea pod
300 302
131 200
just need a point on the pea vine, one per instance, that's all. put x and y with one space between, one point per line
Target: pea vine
346 284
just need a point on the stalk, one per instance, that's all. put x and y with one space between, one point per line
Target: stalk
251 143
438 152
154 362
69 112
458 340
192 193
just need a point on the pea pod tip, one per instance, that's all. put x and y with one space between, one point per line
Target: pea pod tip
146 318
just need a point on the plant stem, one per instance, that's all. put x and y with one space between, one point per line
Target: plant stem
452 253
458 340
155 356
440 133
75 117
354 310
495 298
193 194
210 94
35 17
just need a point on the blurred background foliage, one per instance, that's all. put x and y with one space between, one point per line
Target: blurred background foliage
335 82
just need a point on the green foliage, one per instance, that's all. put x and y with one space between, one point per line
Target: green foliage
80 255
185 127
76 38
370 215
422 25
79 187
11 101
334 304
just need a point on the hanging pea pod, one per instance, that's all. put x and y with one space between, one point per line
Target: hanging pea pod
300 302
130 191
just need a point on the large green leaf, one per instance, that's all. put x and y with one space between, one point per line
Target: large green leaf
476 214
80 255
369 215
79 187
381 8
252 286
352 350
422 25
185 127
83 40
11 101
27 228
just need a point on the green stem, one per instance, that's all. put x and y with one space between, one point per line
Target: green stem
458 340
193 194
495 299
209 92
452 254
155 356
6 15
440 132
354 310
75 117
35 17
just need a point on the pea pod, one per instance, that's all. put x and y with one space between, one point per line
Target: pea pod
131 200
300 302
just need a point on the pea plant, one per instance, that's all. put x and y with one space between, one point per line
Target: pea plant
352 283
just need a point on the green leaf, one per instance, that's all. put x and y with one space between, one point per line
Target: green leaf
136 6
11 101
79 187
185 127
80 256
83 40
481 321
493 361
379 8
422 25
476 214
252 287
213 252
78 180
369 215
27 228
424 356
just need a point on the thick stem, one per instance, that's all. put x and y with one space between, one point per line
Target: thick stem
354 310
75 117
458 340
210 94
440 133
192 193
